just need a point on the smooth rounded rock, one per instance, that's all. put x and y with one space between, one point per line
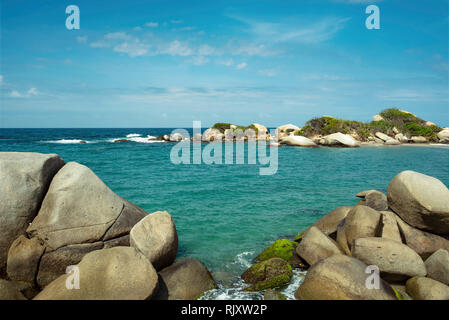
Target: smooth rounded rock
421 200
156 237
119 273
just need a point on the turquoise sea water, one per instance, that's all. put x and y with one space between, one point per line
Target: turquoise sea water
226 214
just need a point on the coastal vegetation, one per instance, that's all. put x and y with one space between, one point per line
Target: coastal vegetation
391 120
222 127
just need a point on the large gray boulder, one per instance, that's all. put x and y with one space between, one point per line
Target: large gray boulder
437 266
422 201
212 134
298 141
340 140
419 139
424 243
119 273
329 223
443 135
374 199
10 291
361 222
24 180
420 288
395 260
78 214
340 277
187 279
156 237
316 246
23 260
389 227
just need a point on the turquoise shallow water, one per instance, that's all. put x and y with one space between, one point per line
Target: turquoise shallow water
225 214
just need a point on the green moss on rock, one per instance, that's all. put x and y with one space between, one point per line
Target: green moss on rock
398 295
282 248
267 274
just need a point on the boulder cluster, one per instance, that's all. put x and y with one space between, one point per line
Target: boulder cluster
56 215
401 238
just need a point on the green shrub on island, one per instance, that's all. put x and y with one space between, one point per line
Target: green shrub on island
405 122
224 126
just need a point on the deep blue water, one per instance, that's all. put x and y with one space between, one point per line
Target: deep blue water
222 211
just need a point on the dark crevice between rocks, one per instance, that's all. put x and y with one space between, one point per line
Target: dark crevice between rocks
112 224
401 233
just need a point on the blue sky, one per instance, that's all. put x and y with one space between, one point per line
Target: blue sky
166 63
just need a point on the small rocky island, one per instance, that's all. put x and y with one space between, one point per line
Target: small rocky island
390 127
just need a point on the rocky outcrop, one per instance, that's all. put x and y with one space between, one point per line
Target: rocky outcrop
424 243
361 222
329 223
187 279
23 260
24 180
374 199
389 227
212 134
82 225
437 266
395 260
271 294
283 249
316 246
286 130
443 136
119 273
10 291
298 141
339 140
271 273
78 214
421 200
420 288
419 139
261 131
155 236
340 277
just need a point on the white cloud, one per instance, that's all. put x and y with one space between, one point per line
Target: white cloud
206 50
177 48
15 94
300 31
32 92
80 39
227 63
267 73
241 66
152 24
1 79
117 36
133 48
123 43
200 60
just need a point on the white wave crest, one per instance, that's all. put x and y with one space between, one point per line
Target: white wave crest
132 135
67 141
